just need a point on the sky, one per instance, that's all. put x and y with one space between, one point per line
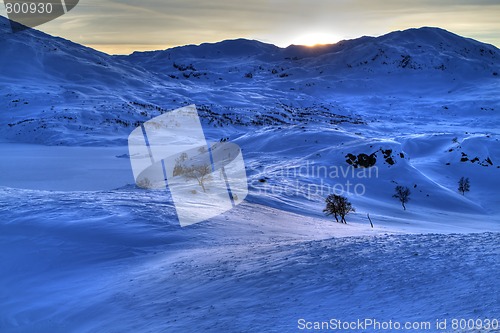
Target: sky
124 26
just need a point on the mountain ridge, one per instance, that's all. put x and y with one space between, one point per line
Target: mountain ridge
411 48
423 48
322 48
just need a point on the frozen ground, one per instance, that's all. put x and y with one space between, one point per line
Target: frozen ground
117 261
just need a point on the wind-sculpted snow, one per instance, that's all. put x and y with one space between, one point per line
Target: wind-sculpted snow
112 261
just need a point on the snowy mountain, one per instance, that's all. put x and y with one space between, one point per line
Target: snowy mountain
71 89
418 49
85 250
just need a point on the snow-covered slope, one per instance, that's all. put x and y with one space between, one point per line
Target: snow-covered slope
118 261
54 89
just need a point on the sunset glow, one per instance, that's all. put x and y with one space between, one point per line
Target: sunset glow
313 39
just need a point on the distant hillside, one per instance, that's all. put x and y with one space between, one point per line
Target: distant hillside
426 48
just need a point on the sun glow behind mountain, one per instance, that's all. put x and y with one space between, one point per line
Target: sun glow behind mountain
316 38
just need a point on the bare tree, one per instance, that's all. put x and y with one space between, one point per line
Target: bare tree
345 208
179 164
463 185
338 206
202 173
331 206
402 194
